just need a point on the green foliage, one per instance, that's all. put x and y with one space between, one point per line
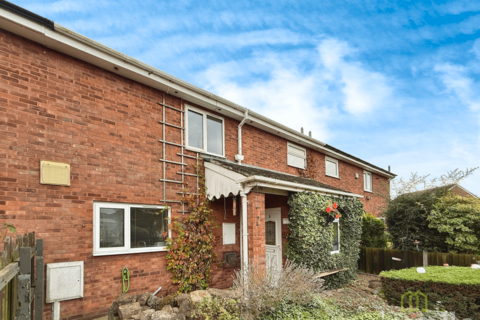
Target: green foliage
7 227
409 212
452 275
459 218
455 288
311 236
190 251
217 309
316 309
373 232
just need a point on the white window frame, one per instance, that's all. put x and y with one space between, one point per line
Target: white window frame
338 167
204 114
97 251
367 173
339 245
304 159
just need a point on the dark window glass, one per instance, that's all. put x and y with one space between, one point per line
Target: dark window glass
148 227
195 129
270 234
112 227
214 136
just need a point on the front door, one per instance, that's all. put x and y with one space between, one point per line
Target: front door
273 238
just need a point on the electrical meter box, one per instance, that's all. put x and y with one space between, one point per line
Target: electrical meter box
64 281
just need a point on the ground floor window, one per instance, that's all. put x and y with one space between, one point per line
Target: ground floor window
336 236
129 228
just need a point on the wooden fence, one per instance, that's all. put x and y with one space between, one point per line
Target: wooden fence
21 292
376 260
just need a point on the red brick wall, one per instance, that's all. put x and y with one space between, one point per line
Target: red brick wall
58 108
256 228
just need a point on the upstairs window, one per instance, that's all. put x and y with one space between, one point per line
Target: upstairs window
336 236
367 181
204 132
296 156
331 167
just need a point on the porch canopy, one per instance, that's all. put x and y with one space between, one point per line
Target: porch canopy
223 177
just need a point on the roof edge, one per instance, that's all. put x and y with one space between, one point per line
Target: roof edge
27 14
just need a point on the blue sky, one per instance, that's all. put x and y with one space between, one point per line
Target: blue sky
394 83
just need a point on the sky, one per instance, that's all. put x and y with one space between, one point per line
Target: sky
391 82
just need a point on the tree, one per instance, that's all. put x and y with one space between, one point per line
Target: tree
373 232
459 218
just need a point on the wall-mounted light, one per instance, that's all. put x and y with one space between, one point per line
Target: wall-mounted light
368 198
356 175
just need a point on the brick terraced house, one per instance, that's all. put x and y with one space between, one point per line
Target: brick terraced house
92 142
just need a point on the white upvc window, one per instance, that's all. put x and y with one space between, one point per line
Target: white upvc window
331 167
204 132
120 228
336 236
296 156
367 181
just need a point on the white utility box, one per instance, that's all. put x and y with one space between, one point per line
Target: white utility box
64 281
229 235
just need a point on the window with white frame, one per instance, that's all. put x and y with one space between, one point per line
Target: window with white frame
336 236
296 156
367 181
129 228
331 167
204 132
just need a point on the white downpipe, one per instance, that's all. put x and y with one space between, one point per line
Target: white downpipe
244 232
239 156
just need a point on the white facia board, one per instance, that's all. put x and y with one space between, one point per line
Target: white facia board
229 235
64 281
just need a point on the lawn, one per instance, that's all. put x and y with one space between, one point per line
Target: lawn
451 275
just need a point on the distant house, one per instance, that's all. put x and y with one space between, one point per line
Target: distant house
454 188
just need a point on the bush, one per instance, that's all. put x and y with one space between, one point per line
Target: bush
217 309
311 235
457 288
315 309
373 232
264 290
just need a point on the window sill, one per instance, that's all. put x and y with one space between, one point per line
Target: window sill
368 191
335 252
303 168
112 253
204 152
332 176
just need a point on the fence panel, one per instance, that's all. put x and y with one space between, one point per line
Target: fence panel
376 260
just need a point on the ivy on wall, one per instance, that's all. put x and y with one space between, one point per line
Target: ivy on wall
311 235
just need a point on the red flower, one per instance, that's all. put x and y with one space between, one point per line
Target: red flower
337 216
328 209
335 205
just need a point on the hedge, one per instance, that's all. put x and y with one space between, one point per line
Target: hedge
457 288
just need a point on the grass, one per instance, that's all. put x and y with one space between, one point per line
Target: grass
451 275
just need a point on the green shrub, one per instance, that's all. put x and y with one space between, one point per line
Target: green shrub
373 232
457 288
311 235
316 309
217 309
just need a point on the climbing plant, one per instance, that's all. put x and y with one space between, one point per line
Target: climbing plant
190 250
311 234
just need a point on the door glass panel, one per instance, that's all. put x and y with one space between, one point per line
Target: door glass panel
148 227
270 234
195 129
336 239
214 135
112 227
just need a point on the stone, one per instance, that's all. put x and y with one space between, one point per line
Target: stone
168 308
375 284
181 297
145 308
164 301
122 299
142 298
176 310
161 315
225 293
197 296
147 314
153 301
128 310
185 308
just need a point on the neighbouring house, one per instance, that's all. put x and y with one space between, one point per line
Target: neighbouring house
454 188
93 142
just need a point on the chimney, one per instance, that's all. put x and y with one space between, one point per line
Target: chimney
301 130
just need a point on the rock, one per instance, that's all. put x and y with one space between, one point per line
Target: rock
225 294
375 284
176 310
153 301
128 310
181 297
144 308
122 299
166 300
168 308
142 298
161 315
375 292
197 296
147 314
186 308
